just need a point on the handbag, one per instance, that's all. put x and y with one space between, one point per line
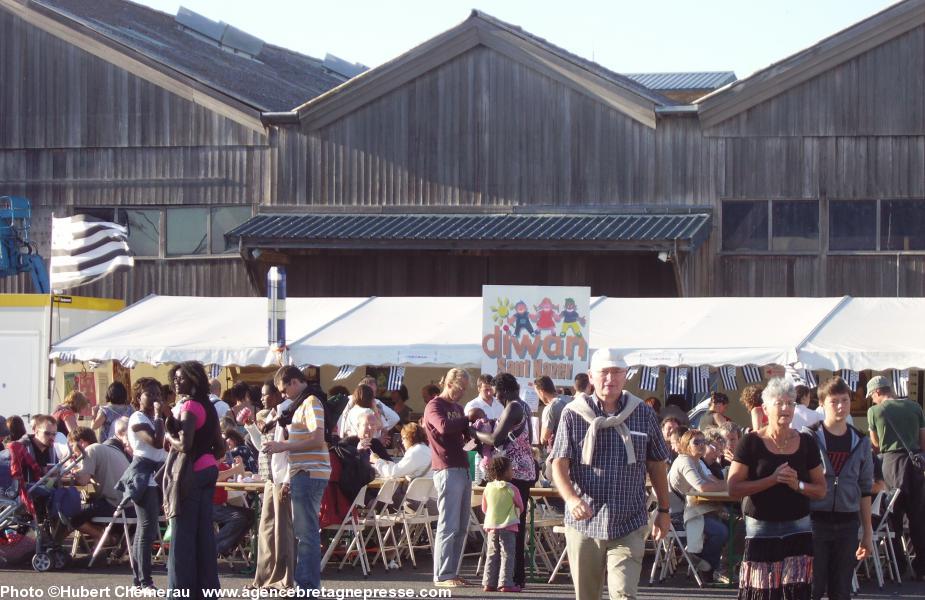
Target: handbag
917 460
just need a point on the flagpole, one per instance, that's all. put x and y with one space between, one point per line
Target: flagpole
50 384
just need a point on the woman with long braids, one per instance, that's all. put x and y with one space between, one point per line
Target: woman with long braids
196 444
512 437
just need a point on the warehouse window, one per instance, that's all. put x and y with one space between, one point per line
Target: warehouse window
745 225
144 231
794 225
224 219
902 225
187 231
872 225
175 231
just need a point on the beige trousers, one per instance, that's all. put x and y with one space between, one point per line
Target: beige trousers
622 558
276 541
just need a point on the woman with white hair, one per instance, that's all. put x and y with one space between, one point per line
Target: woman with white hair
777 471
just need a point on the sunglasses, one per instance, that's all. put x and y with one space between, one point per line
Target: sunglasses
699 442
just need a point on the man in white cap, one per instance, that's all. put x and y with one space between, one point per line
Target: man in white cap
897 431
605 445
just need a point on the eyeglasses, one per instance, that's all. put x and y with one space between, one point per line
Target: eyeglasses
779 404
700 442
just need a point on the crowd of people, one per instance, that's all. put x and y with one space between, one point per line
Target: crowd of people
805 477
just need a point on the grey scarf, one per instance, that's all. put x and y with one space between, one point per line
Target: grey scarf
580 407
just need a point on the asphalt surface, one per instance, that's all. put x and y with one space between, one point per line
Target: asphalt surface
79 582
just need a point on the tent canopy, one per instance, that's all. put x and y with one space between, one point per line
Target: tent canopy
869 333
399 331
707 331
223 331
818 333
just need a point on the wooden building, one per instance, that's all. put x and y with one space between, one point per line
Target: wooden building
810 173
114 109
485 155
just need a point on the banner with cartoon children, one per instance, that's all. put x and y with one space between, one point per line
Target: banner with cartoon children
530 331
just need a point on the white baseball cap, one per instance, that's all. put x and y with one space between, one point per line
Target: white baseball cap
607 358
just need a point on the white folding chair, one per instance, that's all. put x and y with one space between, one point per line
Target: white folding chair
381 519
354 524
667 551
415 517
563 556
882 506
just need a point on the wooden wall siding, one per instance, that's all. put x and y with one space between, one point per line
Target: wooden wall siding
136 176
877 275
480 130
815 167
689 167
768 276
881 92
444 273
55 95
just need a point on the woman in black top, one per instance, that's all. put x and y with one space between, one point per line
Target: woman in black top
777 471
192 562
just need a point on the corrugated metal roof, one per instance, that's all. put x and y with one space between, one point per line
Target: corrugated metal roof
708 80
691 228
278 80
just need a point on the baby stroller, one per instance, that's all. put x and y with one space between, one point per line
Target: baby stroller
43 509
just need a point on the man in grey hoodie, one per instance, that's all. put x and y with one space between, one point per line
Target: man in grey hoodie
847 461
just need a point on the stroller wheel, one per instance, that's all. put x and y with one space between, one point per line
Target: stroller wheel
60 558
41 562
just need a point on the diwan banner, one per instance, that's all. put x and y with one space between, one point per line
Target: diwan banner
531 331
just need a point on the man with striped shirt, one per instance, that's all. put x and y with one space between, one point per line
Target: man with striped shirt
309 471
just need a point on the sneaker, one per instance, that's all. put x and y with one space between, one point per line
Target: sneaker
720 578
490 588
451 583
699 563
510 588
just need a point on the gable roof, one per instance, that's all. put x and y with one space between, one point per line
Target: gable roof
587 77
278 79
705 80
834 50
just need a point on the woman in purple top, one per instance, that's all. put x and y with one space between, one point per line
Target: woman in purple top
447 430
191 564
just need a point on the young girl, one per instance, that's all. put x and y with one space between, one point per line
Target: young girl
502 505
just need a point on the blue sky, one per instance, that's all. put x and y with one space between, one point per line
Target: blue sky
667 35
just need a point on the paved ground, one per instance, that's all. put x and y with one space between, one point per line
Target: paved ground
79 582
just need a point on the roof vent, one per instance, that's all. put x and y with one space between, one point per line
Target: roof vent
342 67
219 33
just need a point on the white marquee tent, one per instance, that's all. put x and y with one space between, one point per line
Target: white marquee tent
815 333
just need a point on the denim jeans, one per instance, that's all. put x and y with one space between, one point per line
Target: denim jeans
306 504
233 522
715 534
147 509
834 545
192 565
454 493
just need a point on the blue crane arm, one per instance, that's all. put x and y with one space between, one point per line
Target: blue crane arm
17 253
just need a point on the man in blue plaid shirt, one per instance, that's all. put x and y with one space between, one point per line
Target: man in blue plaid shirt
605 445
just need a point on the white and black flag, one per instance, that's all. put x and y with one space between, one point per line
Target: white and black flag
701 380
84 249
648 381
752 373
396 376
728 374
850 377
677 380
